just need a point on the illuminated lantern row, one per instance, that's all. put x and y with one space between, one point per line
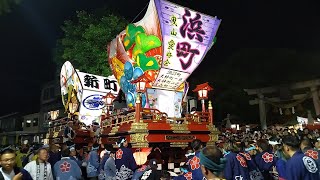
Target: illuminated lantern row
167 45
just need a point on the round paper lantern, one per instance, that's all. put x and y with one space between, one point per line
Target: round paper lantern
140 157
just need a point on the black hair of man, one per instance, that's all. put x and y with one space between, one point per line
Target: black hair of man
306 142
65 153
7 151
40 149
263 144
112 150
196 144
291 141
95 145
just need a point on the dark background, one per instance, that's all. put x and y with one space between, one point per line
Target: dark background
28 35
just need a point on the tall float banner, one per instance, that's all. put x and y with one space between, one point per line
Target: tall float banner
89 90
167 45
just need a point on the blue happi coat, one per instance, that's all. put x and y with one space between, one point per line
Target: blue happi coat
194 166
139 172
254 172
76 160
125 163
281 165
184 176
300 166
93 164
313 153
265 161
236 167
67 169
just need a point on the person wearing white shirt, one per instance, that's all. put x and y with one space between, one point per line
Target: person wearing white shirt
40 169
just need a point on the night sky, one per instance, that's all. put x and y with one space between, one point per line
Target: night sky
29 33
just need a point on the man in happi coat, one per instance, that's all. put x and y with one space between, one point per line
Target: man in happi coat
306 147
254 172
194 162
125 162
110 166
66 169
299 166
236 165
265 159
93 162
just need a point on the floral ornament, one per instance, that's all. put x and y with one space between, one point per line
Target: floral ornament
65 167
195 163
247 156
267 157
188 175
241 160
313 154
119 154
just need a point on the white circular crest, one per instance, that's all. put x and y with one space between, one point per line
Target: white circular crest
310 164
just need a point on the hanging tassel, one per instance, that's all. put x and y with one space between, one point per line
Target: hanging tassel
287 112
299 108
280 111
293 110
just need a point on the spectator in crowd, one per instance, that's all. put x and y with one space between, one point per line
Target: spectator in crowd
110 165
40 168
93 163
8 171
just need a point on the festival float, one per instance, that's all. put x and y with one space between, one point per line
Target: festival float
151 61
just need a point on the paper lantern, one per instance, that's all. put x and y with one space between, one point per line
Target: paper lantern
170 165
159 166
140 157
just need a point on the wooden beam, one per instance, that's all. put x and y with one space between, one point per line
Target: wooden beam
275 99
272 89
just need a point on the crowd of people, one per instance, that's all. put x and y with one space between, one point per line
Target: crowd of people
275 153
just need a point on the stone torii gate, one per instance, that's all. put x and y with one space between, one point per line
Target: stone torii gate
267 93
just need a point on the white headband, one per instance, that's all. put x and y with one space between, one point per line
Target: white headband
121 142
190 154
274 142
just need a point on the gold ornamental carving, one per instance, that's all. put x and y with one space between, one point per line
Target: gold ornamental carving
139 140
213 137
114 130
55 134
139 127
179 128
179 144
212 128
